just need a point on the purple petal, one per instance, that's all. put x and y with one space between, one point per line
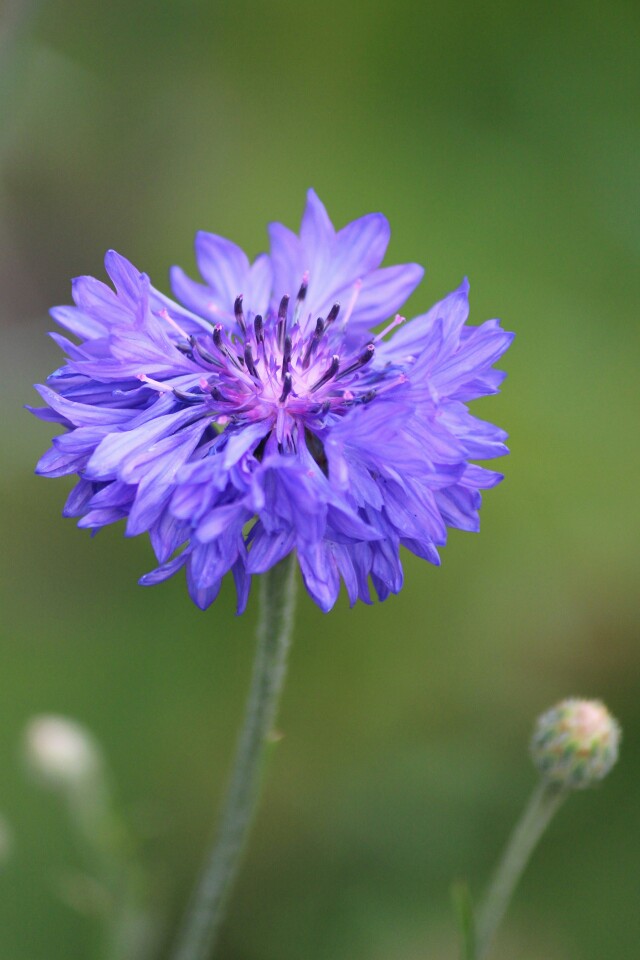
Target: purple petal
163 572
320 574
360 247
267 549
81 414
414 339
316 229
199 298
78 322
127 280
113 451
382 295
257 291
287 260
224 267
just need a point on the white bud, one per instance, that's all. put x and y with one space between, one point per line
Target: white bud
575 744
61 752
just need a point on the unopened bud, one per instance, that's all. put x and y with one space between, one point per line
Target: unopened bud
575 744
61 752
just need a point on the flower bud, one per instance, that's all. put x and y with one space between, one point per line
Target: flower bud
575 744
61 752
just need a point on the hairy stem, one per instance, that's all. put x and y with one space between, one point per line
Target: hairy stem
202 924
543 804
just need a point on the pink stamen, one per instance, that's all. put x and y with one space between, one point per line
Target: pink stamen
156 384
397 320
176 326
403 378
357 287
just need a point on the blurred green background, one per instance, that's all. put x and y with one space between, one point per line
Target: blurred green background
502 141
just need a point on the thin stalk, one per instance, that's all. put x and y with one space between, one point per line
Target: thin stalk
202 923
544 802
129 929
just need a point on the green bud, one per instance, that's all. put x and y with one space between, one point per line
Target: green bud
575 744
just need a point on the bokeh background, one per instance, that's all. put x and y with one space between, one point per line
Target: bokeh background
502 141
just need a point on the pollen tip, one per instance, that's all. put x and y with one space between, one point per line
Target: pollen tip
333 313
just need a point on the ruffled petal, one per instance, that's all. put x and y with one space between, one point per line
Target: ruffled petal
223 266
234 444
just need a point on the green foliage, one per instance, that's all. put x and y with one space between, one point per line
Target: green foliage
463 906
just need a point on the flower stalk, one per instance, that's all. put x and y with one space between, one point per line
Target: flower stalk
277 598
62 755
544 802
574 745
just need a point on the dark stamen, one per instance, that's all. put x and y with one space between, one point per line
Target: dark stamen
204 354
329 374
258 326
287 387
187 397
224 349
286 359
248 359
313 343
302 292
333 313
364 357
282 320
237 309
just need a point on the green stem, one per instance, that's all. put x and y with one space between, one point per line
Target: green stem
277 596
543 804
129 929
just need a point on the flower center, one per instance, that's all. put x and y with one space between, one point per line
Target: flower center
273 368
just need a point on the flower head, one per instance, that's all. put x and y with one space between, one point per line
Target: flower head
60 751
262 414
575 744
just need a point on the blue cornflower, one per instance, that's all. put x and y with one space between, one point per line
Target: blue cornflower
262 415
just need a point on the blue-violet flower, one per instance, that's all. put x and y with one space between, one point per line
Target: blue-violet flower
262 415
